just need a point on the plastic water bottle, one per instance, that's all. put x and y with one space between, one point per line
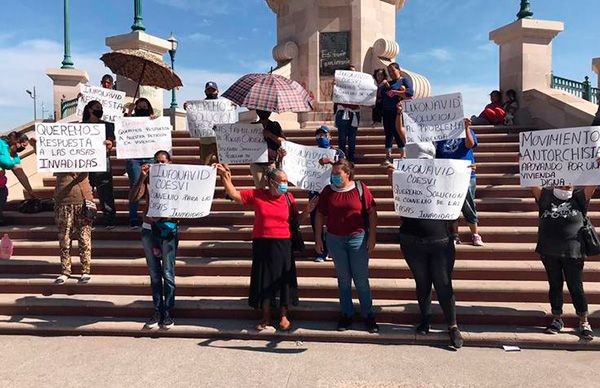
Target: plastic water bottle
6 247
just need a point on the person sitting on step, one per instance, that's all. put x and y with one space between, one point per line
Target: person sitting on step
493 113
510 106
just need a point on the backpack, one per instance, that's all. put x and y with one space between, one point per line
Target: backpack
365 215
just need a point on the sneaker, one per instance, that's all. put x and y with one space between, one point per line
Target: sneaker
457 240
85 278
167 322
134 227
372 326
153 322
109 226
585 331
344 323
319 259
477 240
61 279
423 328
456 339
387 162
555 326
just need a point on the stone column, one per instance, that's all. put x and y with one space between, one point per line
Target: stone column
67 84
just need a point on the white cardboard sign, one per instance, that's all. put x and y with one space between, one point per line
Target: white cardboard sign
354 88
112 101
432 189
181 191
142 137
203 115
63 147
301 164
434 118
241 143
560 157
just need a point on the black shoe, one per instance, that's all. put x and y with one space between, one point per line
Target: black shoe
153 322
456 339
167 322
423 328
372 326
344 323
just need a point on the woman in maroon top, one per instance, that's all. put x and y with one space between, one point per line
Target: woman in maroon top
348 210
273 274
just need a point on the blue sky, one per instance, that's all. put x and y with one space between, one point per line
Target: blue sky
445 40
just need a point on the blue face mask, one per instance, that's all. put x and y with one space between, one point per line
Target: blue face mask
282 188
336 180
323 142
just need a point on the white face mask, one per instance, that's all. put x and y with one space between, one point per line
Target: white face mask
563 195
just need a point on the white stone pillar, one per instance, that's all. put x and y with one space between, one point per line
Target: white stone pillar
66 86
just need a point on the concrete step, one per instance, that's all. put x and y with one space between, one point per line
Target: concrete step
309 287
214 266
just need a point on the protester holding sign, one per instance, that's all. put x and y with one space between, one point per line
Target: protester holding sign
274 136
160 241
562 212
347 120
463 149
421 150
10 146
398 89
273 275
348 209
143 108
103 181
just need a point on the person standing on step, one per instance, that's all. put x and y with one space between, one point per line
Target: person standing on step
562 212
107 81
160 240
429 251
103 181
142 108
10 147
463 149
394 91
347 120
273 274
323 136
348 209
274 137
377 114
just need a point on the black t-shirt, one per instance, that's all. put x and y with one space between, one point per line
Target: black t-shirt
275 129
420 230
110 130
560 222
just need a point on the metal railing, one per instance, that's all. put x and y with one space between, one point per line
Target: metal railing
580 89
68 107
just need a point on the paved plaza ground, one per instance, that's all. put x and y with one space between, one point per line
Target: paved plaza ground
143 362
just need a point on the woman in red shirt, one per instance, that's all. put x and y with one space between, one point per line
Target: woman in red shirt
348 210
273 274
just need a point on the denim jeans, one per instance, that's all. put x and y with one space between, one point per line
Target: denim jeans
389 127
352 263
346 133
313 220
161 269
432 264
469 210
134 170
558 270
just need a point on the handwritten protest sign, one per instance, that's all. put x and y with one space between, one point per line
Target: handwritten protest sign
432 189
141 137
112 101
301 164
354 88
434 118
65 147
241 143
203 115
181 191
560 157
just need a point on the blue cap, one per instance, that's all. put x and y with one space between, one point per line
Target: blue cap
211 85
322 129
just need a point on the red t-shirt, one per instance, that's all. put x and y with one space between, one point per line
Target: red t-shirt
344 210
271 214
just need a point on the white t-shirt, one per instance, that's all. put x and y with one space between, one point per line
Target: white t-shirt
424 150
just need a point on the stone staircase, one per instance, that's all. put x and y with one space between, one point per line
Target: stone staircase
501 288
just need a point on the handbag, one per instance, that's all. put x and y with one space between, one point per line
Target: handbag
297 240
89 211
590 242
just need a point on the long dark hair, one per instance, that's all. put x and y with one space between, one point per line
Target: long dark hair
14 137
143 99
87 115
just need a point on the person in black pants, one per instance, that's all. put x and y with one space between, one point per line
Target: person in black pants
562 211
103 181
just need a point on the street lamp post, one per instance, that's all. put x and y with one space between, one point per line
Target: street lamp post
138 25
67 62
172 52
525 11
33 95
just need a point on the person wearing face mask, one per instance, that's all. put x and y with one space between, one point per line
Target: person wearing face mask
142 108
160 241
347 120
348 210
273 274
274 137
10 147
562 211
103 181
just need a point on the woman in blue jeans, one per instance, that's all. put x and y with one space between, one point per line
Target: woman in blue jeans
160 240
142 108
348 210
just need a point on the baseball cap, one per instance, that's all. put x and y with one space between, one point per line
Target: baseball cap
322 129
211 85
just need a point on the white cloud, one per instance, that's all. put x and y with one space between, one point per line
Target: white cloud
439 54
204 8
475 96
